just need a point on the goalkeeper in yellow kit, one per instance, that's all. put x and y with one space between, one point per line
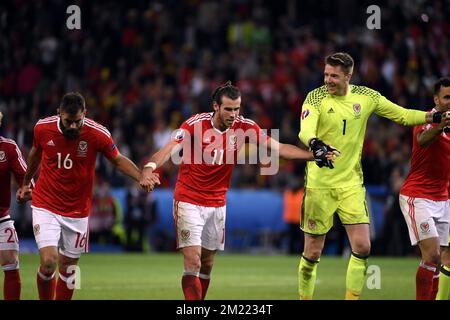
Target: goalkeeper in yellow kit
336 115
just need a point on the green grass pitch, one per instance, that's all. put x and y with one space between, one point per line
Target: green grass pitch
253 277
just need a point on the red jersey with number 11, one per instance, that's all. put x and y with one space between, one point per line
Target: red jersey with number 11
209 156
68 166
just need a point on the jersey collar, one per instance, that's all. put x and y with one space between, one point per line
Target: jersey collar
58 125
212 125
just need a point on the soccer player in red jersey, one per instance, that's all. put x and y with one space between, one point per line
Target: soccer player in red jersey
210 143
11 161
444 277
424 194
66 146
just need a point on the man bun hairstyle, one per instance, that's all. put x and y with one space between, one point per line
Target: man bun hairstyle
72 103
342 59
226 89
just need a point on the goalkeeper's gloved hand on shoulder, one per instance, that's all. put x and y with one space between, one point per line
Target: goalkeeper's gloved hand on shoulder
438 117
323 153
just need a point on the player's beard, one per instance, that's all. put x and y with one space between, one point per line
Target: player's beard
227 123
71 134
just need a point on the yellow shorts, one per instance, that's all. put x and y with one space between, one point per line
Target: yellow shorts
319 206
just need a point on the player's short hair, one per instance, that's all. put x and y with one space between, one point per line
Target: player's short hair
226 89
342 59
442 82
72 103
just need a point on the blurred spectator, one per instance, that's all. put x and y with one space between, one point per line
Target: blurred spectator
141 73
394 239
103 215
293 197
140 215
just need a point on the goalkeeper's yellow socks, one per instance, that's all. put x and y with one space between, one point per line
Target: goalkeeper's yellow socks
306 278
444 284
356 276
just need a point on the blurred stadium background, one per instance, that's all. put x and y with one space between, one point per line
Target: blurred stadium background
145 66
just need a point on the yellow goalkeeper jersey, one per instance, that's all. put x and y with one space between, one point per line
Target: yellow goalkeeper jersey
341 121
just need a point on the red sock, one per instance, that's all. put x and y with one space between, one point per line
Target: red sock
11 285
63 292
46 286
204 281
424 280
435 287
192 287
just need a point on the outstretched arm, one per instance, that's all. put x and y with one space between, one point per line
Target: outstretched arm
289 151
407 117
157 160
427 136
126 166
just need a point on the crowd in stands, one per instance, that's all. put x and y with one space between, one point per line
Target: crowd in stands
146 66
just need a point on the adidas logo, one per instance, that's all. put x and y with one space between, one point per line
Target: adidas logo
51 143
331 110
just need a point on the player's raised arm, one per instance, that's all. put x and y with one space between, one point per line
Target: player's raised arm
403 116
289 151
34 161
147 180
430 133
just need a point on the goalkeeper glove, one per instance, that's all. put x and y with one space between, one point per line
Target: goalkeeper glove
320 151
439 116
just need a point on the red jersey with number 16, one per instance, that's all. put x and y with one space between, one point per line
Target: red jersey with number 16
209 156
67 170
430 168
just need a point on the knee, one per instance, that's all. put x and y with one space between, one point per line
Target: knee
446 262
207 265
445 257
192 263
9 259
10 265
66 264
362 249
48 263
434 259
312 254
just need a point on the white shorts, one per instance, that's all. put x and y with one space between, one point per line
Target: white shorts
199 226
8 235
426 219
70 235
